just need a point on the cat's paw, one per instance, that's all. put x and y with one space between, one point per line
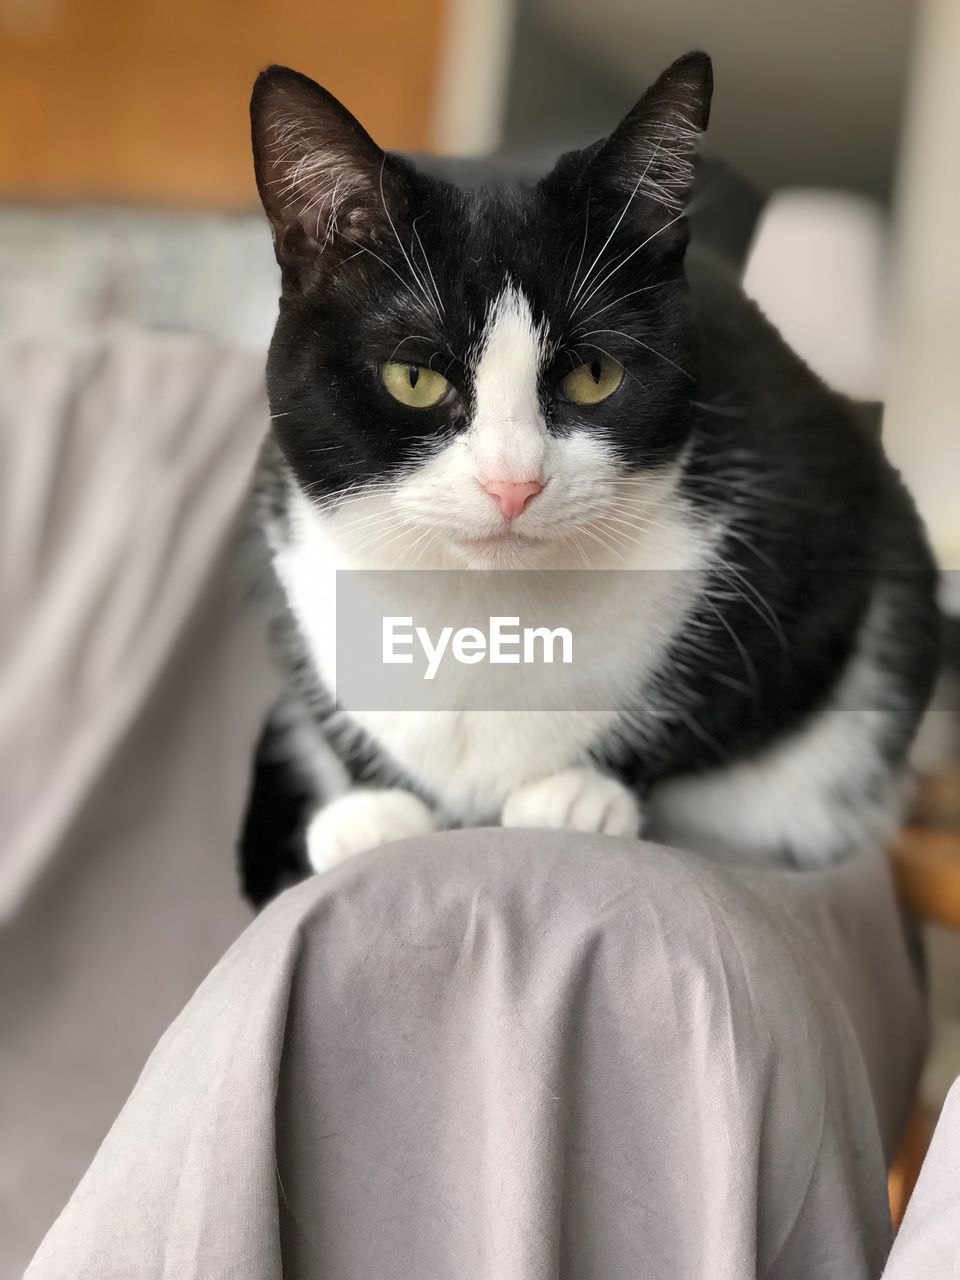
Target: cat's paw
362 820
577 799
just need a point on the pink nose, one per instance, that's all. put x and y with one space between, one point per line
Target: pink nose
512 496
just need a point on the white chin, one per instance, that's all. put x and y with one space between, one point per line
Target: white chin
504 551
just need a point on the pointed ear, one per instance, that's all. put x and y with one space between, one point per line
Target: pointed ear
650 155
319 172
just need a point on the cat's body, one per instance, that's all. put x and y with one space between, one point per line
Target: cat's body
751 678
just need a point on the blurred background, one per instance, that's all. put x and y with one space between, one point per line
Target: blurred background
137 295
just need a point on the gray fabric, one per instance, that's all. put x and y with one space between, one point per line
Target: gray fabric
522 1055
126 458
928 1242
133 680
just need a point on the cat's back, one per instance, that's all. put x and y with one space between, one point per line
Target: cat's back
760 410
740 349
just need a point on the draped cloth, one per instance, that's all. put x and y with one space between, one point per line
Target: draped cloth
517 1054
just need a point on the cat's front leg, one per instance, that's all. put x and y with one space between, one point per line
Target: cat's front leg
362 819
578 800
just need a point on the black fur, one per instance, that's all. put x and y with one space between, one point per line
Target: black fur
272 853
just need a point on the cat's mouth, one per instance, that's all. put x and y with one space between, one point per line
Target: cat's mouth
506 549
506 537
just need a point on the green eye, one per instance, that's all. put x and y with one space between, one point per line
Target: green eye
592 382
413 385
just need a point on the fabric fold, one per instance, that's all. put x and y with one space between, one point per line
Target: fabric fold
517 1054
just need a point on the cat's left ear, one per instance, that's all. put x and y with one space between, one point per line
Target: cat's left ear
650 156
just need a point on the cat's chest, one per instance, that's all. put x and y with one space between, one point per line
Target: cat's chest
480 734
471 761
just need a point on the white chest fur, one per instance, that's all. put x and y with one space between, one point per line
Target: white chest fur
471 759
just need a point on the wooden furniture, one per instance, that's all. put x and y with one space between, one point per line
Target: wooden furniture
926 864
146 100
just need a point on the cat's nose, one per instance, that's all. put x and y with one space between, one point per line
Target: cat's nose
512 496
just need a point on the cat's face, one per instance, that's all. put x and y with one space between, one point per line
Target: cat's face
496 378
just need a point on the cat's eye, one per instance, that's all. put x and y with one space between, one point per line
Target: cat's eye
592 382
414 385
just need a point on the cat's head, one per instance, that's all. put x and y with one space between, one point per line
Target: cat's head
493 378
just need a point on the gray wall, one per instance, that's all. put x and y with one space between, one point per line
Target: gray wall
807 93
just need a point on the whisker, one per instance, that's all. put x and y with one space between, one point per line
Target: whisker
600 541
661 284
586 228
616 225
578 545
748 665
646 346
366 522
621 539
759 603
409 338
631 525
402 530
413 271
751 546
427 536
427 264
610 274
593 347
363 249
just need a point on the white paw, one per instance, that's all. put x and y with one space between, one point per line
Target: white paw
577 799
362 820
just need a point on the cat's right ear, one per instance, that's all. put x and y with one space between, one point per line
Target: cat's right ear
319 173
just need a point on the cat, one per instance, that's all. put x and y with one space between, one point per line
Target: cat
547 377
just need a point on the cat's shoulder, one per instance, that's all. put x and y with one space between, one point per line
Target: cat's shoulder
741 348
727 320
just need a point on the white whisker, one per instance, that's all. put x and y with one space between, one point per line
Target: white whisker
616 225
613 271
646 346
413 271
583 245
662 284
427 264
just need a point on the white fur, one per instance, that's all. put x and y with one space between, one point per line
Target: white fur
471 760
312 182
577 800
508 438
362 820
818 792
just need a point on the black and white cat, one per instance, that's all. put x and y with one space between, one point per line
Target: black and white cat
542 377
